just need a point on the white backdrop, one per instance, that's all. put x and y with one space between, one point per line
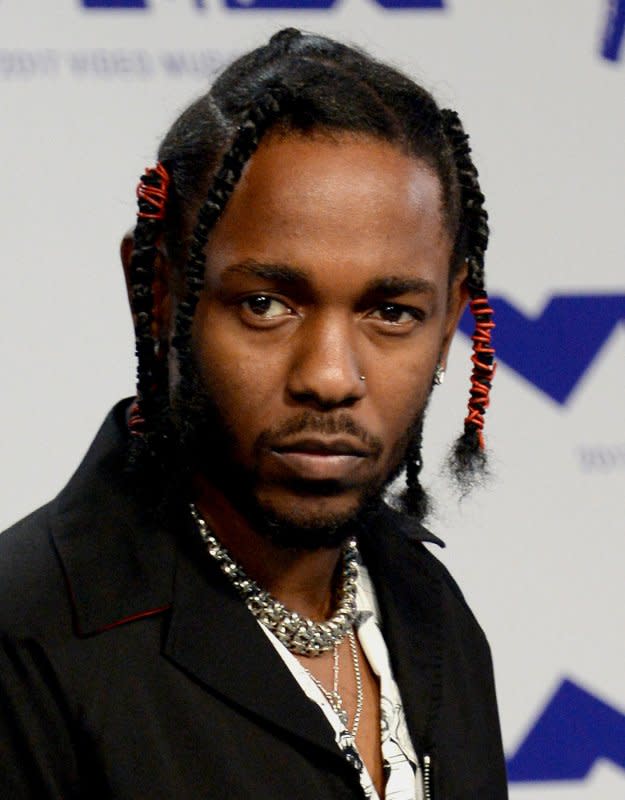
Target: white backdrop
87 94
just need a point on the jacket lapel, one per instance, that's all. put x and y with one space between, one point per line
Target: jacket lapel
215 638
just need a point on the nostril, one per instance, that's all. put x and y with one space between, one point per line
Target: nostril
325 402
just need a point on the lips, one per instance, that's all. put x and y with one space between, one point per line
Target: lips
315 458
323 446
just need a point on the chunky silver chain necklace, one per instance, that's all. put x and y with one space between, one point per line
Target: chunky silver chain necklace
298 634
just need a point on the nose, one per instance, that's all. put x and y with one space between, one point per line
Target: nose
325 370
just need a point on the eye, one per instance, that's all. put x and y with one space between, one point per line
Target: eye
263 306
396 314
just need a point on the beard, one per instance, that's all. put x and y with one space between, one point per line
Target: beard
207 444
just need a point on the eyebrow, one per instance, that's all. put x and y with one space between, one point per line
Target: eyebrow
394 285
272 272
384 286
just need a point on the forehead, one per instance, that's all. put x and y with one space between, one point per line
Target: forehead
345 201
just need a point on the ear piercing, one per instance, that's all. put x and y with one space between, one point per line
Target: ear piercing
439 374
362 378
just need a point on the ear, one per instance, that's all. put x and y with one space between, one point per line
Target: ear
161 290
125 251
456 303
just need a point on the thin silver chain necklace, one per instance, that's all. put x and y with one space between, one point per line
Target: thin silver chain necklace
298 634
334 697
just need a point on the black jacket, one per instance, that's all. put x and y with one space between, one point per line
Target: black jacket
130 669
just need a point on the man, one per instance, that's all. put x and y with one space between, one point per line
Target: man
220 604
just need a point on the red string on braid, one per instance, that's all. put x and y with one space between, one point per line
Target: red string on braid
483 370
136 422
153 194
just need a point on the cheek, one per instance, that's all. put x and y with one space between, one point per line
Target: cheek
399 388
400 414
245 385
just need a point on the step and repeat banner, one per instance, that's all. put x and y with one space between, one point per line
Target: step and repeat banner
89 87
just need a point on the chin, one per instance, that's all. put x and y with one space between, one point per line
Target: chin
311 523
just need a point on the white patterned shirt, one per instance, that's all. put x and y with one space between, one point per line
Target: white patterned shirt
403 780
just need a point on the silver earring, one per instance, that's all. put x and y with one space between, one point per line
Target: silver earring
362 378
439 374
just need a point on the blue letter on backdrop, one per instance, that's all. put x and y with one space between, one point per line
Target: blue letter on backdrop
243 5
614 30
411 3
554 349
575 730
115 3
321 4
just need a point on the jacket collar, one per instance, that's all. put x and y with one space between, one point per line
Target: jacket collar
118 564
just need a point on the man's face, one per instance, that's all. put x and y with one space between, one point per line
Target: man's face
329 264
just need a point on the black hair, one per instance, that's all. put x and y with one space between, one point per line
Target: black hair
297 83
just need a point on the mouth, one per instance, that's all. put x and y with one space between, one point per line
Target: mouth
325 446
320 459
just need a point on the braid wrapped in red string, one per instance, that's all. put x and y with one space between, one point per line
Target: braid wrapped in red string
469 451
483 366
152 193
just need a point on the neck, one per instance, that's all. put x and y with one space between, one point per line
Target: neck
301 579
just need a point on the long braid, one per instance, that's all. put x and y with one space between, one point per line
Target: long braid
469 451
152 198
414 498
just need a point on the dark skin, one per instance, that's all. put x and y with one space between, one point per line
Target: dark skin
330 261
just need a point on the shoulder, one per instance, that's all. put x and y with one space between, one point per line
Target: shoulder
460 627
396 549
451 592
37 553
33 592
396 536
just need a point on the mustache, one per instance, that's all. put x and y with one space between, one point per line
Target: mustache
324 424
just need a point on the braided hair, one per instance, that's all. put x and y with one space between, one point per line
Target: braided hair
469 451
295 83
